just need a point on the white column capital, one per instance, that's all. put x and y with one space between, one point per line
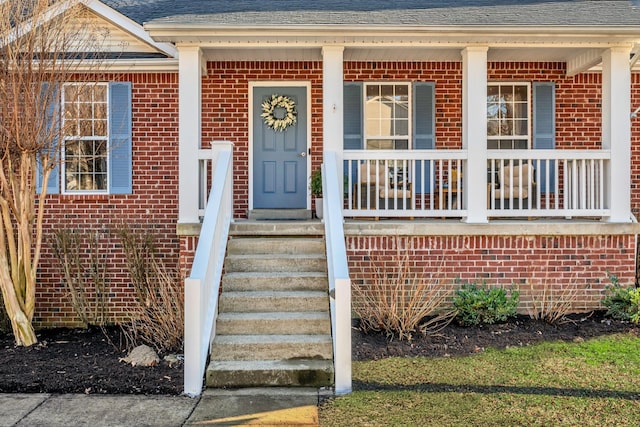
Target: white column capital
474 49
332 49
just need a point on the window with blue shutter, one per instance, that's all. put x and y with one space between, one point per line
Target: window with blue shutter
120 144
544 131
97 141
423 130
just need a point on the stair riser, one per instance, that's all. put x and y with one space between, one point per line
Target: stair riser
247 304
270 351
231 283
275 246
270 264
274 378
284 228
278 327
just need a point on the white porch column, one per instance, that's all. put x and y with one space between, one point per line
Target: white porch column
332 102
190 119
616 129
474 131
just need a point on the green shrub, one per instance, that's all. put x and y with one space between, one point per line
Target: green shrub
623 303
480 304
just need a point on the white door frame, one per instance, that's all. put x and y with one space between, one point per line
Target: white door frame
279 83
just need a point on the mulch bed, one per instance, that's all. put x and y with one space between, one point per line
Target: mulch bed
456 340
81 361
88 360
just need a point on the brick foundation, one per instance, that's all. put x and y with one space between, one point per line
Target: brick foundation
524 262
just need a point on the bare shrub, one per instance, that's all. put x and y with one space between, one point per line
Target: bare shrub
551 303
159 321
158 318
84 274
139 248
399 300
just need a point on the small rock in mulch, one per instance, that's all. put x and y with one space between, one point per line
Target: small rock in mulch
143 355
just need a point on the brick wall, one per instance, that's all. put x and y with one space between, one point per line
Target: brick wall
528 263
225 111
225 98
153 205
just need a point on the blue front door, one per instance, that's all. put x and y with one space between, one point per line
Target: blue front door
280 156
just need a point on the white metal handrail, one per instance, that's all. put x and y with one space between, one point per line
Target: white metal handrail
338 271
202 286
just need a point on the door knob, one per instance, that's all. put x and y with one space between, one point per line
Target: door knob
303 154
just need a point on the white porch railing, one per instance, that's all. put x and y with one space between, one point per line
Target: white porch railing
549 183
338 269
202 286
404 183
520 183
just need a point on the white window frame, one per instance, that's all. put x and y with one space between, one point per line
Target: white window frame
366 136
63 170
528 136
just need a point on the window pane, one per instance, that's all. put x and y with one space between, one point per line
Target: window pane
379 144
401 128
520 93
507 114
85 116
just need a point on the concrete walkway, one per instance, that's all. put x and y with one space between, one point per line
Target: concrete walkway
260 407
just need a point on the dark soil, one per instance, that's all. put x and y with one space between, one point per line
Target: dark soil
81 361
88 361
456 340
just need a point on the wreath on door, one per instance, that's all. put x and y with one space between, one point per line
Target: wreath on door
279 112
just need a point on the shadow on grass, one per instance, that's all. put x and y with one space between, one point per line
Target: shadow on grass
497 389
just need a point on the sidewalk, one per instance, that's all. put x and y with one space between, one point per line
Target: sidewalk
262 407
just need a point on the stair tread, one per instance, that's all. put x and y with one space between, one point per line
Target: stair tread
275 294
277 274
291 364
312 255
275 315
271 339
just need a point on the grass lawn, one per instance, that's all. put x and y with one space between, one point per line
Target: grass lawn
590 383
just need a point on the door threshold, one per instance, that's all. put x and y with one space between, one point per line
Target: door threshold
279 214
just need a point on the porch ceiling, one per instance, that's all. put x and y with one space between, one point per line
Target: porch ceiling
395 53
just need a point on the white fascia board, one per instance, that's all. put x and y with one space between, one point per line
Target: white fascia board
129 26
129 65
195 32
397 37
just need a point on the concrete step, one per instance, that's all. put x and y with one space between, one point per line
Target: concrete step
276 228
275 263
275 281
275 245
294 323
300 373
271 347
269 301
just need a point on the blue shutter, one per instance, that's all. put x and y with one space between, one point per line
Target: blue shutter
53 121
544 129
352 124
352 116
120 144
423 128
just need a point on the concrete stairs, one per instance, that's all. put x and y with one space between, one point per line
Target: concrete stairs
273 326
